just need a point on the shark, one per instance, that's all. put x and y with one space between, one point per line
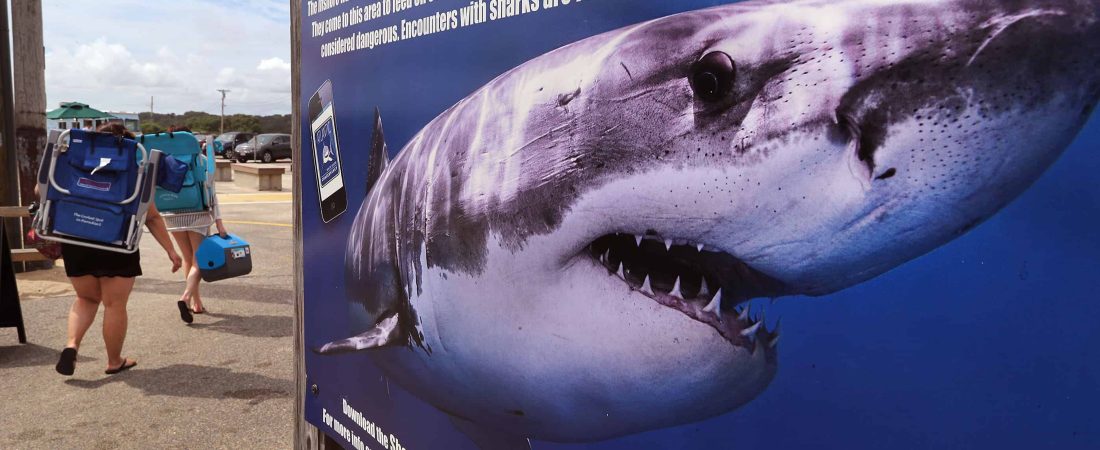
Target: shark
568 253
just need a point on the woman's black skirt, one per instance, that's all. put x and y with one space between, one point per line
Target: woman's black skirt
81 261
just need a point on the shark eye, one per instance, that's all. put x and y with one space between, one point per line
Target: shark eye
712 76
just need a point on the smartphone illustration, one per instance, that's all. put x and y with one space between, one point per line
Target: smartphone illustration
326 154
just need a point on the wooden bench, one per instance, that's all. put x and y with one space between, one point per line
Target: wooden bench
20 254
258 176
26 255
223 170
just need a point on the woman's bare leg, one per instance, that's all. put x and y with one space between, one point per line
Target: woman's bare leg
116 292
187 252
84 309
193 275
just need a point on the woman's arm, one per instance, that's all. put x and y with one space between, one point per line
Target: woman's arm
217 212
155 223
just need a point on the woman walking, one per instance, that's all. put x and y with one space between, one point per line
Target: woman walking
188 241
105 277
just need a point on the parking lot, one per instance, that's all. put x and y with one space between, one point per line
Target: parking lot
224 381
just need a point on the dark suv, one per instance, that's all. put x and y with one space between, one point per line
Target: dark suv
265 147
231 140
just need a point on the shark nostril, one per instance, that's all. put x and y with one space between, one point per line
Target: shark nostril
889 173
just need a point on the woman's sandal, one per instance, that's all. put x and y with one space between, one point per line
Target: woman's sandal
185 312
66 365
122 367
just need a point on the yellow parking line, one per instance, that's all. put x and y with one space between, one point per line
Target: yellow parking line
239 198
270 224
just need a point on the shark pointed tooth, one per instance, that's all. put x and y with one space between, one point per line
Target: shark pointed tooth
751 330
699 247
638 239
715 305
676 290
606 255
704 290
775 334
620 273
744 313
668 244
646 288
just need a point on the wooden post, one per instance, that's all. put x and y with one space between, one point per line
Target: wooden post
29 55
9 173
306 436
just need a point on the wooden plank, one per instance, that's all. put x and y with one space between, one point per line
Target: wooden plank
14 211
26 255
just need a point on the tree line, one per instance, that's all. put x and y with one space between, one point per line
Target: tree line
206 123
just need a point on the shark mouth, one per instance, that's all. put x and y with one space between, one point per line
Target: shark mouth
705 283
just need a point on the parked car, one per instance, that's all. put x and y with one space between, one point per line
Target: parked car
229 142
203 139
265 147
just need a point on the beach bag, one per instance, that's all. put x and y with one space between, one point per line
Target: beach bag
171 174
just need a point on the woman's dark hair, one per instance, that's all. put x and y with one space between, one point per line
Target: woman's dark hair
116 129
181 128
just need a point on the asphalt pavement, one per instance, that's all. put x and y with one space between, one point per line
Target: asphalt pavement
225 381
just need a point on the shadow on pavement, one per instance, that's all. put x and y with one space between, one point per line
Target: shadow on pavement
31 355
249 326
221 290
189 380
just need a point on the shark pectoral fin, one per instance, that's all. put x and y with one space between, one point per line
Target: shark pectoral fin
379 156
385 332
488 439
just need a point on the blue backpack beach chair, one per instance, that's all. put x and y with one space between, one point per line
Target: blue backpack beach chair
94 190
189 208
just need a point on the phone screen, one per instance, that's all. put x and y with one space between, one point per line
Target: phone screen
326 154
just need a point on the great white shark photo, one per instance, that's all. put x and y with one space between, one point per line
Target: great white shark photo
567 253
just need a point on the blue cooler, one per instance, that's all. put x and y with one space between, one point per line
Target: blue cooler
220 258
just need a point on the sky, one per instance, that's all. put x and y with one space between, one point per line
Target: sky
116 54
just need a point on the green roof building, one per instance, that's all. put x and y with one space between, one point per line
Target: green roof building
78 115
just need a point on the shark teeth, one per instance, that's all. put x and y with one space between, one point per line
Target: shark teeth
715 305
775 335
705 284
752 329
646 288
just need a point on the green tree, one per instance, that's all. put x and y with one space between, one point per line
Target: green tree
203 122
151 128
242 122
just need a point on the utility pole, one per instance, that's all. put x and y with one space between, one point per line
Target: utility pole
223 91
30 82
150 108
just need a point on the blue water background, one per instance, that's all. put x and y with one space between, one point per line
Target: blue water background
991 341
